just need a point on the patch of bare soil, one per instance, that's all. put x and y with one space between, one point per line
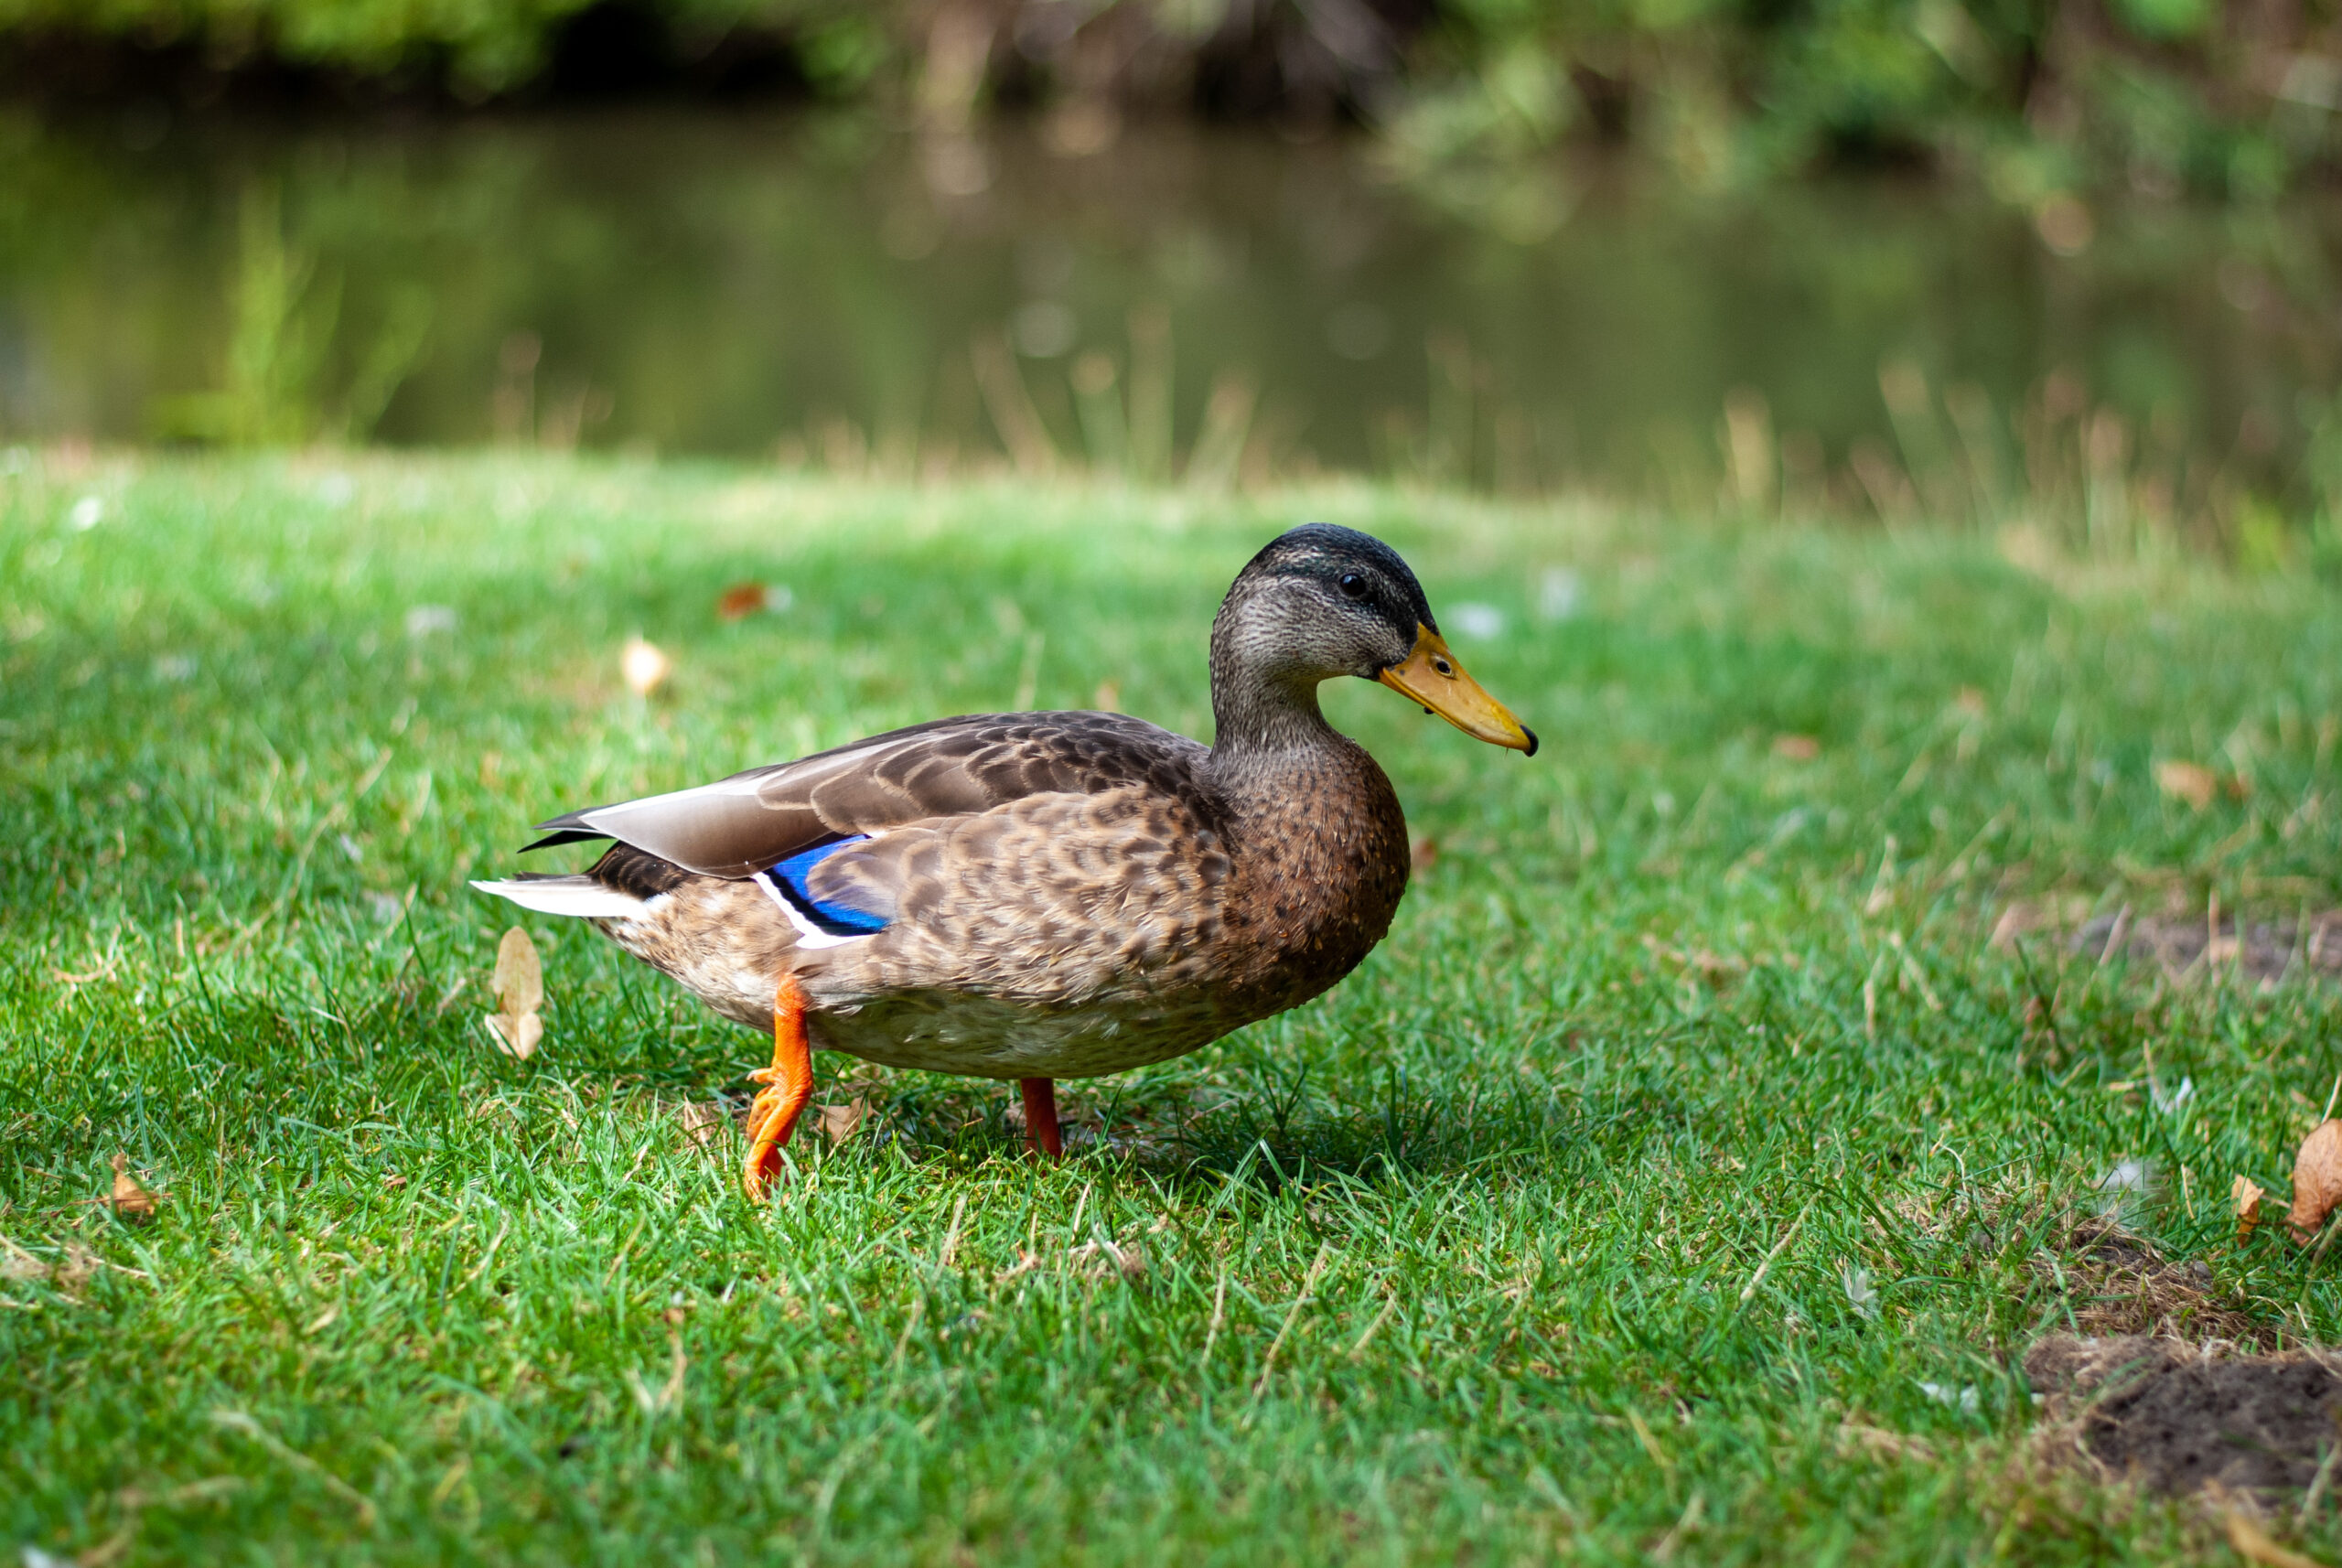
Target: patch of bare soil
2189 946
2115 1283
2174 1419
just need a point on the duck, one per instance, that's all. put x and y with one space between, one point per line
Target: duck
1045 896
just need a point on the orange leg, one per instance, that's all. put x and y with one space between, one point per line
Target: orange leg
1041 1117
789 1084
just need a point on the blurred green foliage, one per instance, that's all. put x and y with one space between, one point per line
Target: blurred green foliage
285 317
2033 97
477 47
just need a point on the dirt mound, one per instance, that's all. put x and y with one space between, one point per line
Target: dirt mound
2182 944
2112 1283
2165 1414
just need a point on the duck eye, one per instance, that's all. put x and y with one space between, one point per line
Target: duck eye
1353 586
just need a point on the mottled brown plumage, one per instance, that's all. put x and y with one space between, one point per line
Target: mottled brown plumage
1057 894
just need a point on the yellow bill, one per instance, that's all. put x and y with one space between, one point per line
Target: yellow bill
1430 676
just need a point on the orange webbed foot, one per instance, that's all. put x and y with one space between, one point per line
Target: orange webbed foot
789 1085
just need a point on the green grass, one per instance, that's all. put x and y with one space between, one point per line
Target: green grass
1579 1202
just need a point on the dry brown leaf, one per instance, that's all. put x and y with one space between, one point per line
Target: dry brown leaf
2246 1194
132 1201
741 600
704 1123
841 1122
2190 781
519 976
519 991
2317 1179
516 1037
1796 748
1423 853
645 668
2252 1544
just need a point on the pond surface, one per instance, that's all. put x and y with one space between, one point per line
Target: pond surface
754 283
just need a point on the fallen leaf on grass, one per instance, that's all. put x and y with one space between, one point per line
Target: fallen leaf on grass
1796 748
2252 1544
520 992
2246 1194
132 1201
742 600
841 1122
644 667
2317 1179
2190 781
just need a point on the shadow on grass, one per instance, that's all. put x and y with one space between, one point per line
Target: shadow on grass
1268 1137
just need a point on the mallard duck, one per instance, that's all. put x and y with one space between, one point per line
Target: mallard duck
1052 895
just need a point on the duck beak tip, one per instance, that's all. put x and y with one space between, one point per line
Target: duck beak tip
1435 681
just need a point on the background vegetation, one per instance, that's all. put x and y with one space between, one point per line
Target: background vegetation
2033 98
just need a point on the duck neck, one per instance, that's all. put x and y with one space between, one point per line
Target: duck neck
1267 726
1263 729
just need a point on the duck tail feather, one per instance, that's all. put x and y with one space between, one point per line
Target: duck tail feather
582 896
566 836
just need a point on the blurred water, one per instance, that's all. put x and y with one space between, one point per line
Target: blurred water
753 284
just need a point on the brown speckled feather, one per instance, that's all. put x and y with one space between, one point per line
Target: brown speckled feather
737 826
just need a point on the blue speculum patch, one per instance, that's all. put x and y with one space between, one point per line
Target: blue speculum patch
790 879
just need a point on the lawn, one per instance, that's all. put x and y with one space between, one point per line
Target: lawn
1690 1128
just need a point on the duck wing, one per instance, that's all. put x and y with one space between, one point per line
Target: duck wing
740 826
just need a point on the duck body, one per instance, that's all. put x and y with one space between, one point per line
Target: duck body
1048 894
1152 907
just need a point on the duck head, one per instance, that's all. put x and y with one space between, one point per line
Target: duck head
1322 601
